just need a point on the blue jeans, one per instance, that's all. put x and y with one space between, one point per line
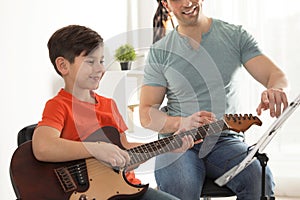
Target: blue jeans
182 175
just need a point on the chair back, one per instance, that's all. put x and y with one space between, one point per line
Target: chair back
25 134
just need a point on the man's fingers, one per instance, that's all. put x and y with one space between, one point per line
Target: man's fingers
273 99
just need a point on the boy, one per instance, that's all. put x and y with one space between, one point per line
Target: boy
76 111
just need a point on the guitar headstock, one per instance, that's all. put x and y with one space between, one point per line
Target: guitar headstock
241 123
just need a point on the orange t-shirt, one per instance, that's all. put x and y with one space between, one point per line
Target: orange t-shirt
77 120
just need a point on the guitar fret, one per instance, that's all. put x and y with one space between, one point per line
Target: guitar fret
133 157
147 151
203 131
142 153
220 126
152 149
155 147
206 130
211 129
178 143
199 134
193 134
166 144
137 154
172 143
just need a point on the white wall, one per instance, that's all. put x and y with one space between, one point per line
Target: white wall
28 78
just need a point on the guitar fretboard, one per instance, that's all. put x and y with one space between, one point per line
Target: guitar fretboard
146 151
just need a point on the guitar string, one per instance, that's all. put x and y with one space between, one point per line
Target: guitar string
161 149
168 141
154 148
147 151
81 170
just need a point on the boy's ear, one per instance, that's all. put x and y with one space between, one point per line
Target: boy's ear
62 65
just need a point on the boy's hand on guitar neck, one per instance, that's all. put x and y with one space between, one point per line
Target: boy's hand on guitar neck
109 153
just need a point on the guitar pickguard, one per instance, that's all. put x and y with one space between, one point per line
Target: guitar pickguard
106 183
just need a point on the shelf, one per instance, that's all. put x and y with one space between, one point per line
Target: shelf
124 88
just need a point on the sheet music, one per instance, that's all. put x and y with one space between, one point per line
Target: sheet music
261 144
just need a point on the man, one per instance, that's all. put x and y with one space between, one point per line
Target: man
197 66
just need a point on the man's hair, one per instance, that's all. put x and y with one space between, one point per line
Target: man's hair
71 41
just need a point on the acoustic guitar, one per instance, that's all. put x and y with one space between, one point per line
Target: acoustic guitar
93 180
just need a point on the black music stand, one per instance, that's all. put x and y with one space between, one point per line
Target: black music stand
256 151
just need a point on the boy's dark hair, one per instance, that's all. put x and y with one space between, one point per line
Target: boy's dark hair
71 41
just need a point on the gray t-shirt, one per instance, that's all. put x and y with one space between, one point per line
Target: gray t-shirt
206 78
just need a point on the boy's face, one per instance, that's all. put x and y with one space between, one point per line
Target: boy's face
87 71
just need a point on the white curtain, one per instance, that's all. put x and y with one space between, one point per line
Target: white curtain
276 26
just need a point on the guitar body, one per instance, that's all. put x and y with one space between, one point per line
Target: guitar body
90 179
80 179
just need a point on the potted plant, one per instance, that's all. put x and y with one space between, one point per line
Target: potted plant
125 54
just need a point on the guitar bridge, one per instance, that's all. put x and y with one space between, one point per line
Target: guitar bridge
65 179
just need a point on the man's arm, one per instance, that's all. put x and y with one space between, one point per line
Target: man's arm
150 116
270 76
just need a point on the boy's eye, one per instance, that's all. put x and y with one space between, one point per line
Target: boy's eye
90 61
93 62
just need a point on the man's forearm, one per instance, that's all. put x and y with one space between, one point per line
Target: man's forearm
278 80
154 119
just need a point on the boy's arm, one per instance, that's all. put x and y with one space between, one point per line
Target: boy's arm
48 146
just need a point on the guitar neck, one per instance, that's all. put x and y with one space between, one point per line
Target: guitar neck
146 151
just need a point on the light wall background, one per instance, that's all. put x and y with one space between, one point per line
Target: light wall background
28 79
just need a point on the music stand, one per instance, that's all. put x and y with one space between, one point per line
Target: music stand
256 152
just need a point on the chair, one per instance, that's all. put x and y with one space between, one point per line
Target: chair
210 189
25 134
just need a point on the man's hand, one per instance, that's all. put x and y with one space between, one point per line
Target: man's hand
197 119
273 99
187 142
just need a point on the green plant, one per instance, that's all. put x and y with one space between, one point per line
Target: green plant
125 53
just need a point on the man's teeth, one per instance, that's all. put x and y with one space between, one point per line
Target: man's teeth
190 11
